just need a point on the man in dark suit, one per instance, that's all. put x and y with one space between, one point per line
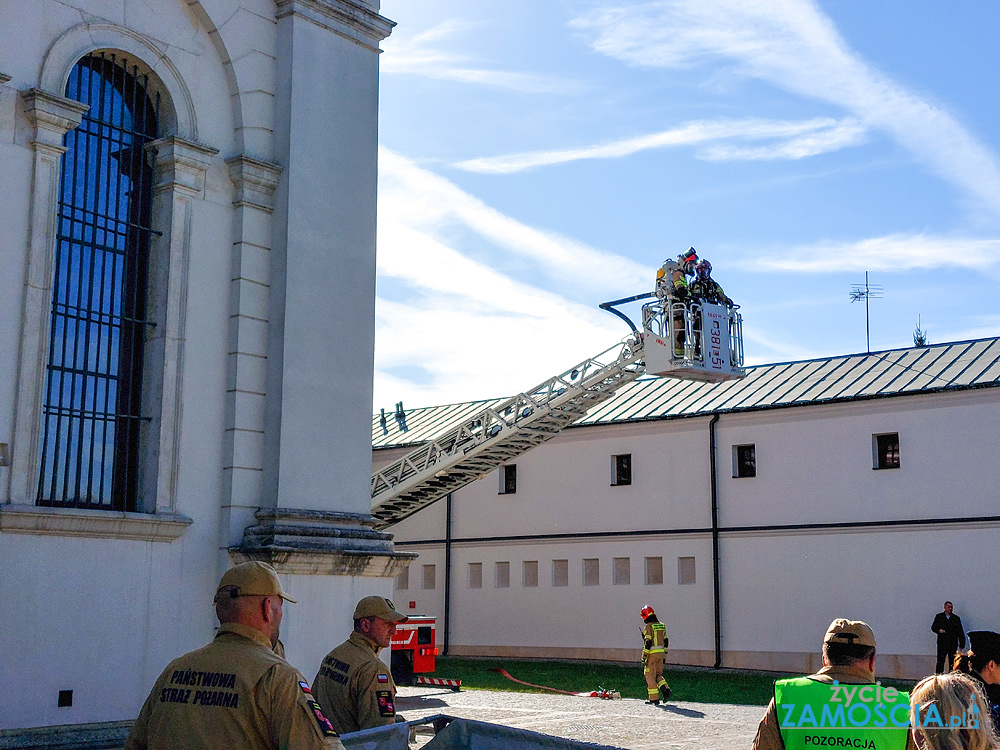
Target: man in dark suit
950 636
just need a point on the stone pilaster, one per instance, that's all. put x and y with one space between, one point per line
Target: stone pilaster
254 183
179 181
51 117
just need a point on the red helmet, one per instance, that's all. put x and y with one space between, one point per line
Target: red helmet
646 612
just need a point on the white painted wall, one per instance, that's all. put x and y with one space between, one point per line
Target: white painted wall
779 588
103 616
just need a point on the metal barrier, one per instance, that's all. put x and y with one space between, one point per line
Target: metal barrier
462 734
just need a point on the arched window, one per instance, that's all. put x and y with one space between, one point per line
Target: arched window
92 420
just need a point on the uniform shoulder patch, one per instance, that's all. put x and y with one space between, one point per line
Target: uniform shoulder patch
386 706
383 678
325 727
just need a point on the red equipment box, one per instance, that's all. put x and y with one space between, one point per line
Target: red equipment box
413 649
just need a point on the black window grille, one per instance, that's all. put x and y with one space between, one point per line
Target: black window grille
886 448
508 479
744 461
621 468
92 413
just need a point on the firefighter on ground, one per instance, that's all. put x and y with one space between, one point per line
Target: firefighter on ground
654 650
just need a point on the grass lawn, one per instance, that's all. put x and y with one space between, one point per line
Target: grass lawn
688 683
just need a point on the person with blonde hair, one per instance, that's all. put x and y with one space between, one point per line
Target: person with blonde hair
951 712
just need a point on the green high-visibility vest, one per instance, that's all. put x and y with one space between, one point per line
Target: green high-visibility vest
814 714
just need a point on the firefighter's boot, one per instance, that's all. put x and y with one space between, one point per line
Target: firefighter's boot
665 691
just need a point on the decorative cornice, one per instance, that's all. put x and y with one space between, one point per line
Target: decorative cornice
352 563
96 524
310 542
353 19
181 164
51 116
255 182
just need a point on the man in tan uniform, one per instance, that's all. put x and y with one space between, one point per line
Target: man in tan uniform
353 686
235 692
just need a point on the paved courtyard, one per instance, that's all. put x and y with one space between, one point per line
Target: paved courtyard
628 723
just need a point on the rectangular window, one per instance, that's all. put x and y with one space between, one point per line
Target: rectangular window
429 577
502 580
508 479
560 573
886 450
654 571
744 461
592 572
530 574
403 580
685 570
475 575
621 469
622 573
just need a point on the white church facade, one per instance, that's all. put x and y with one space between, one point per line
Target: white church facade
748 514
188 288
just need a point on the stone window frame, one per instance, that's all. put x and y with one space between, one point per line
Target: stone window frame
180 166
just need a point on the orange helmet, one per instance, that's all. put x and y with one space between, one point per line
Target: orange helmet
646 612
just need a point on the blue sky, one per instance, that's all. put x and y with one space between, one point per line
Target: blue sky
539 157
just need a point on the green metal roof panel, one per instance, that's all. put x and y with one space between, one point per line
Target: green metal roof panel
991 370
937 367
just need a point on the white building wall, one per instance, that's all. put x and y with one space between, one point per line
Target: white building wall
780 587
98 602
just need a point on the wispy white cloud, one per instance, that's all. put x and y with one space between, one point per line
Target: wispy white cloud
793 45
896 253
453 326
800 138
843 134
422 54
413 197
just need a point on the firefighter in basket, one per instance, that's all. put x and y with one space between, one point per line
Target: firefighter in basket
706 289
654 650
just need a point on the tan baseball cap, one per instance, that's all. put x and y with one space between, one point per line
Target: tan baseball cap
380 607
250 579
850 631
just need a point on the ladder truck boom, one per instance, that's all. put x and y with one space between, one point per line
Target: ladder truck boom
690 339
500 433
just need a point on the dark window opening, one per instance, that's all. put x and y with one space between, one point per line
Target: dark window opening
744 461
886 448
508 479
91 417
622 470
65 699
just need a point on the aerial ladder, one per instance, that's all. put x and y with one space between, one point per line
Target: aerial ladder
686 339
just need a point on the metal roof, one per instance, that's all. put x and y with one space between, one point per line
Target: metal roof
896 372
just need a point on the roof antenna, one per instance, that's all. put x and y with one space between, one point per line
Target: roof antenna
866 292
